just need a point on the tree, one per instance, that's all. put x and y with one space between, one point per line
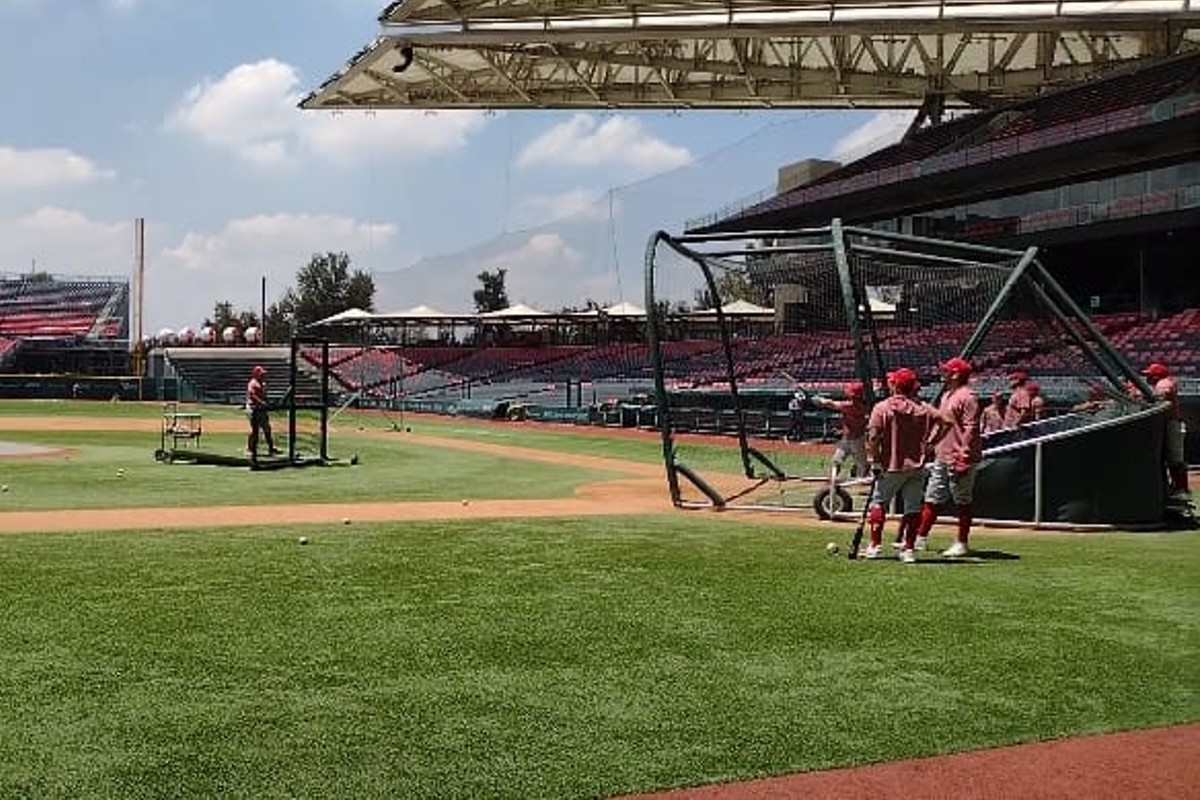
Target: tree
225 315
280 315
492 296
326 286
733 284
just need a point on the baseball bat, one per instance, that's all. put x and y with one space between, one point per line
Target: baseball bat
856 541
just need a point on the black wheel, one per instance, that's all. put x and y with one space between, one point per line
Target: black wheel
827 503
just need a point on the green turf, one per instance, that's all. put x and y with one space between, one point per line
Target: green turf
551 658
89 475
643 447
560 658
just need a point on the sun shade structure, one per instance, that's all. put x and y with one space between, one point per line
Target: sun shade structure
576 54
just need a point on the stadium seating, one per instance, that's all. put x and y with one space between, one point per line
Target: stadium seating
1091 100
219 375
63 308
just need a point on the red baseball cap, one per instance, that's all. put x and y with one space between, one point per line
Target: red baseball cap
1032 388
904 379
855 389
1017 377
1156 371
956 366
258 371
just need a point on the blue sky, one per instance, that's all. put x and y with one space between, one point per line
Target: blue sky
185 113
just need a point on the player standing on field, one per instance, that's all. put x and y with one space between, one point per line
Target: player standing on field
898 431
258 411
853 443
956 456
1166 390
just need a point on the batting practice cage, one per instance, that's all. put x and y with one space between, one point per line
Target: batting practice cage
299 409
754 336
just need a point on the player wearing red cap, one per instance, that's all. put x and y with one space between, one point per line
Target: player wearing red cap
956 455
898 433
1020 401
1166 390
258 412
853 442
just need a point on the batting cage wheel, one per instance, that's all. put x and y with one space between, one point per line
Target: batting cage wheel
828 503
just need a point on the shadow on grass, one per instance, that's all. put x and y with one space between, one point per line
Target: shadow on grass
976 557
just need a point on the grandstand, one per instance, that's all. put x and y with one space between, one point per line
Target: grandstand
1104 177
53 324
219 374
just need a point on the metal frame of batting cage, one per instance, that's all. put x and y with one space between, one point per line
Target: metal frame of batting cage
842 242
301 401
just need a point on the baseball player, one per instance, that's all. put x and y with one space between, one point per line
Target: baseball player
993 414
258 412
899 431
1166 390
1020 401
956 456
853 443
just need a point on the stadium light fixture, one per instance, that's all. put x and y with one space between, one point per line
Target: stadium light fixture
406 58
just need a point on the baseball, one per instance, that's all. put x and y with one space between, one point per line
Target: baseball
303 540
466 502
4 488
120 473
345 520
831 548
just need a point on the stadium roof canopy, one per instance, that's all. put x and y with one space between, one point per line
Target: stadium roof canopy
676 54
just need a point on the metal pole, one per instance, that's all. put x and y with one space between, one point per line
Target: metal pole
656 366
850 304
989 317
1037 484
1101 342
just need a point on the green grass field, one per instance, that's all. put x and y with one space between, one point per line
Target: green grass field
541 658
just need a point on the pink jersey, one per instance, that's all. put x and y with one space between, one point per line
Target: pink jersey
1167 391
991 420
897 432
962 443
1020 408
854 417
256 396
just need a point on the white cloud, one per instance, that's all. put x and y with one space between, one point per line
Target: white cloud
188 276
46 168
584 141
883 129
65 242
577 204
185 280
547 271
252 111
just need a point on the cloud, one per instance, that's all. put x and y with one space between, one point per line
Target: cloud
578 204
46 168
252 112
65 242
186 279
187 274
882 129
584 141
